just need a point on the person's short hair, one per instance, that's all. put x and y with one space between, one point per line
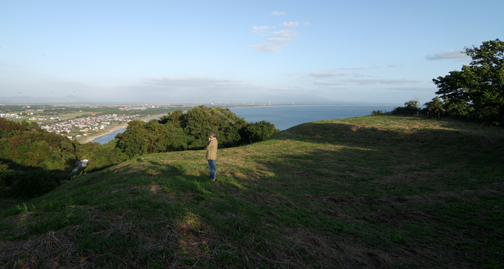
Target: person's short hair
213 134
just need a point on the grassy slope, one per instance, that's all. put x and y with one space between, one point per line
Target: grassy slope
377 191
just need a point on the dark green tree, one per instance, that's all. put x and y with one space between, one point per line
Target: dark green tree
199 121
412 104
259 131
410 108
152 137
478 89
173 118
180 131
436 106
37 161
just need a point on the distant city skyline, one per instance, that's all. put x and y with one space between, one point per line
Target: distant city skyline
255 51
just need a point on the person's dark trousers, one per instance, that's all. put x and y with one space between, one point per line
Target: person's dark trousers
212 167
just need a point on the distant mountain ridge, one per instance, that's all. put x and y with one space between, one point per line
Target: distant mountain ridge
29 99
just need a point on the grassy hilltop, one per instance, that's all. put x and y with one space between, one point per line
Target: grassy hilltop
374 192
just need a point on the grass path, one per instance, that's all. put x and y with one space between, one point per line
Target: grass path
374 192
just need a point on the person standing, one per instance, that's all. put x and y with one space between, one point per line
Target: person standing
211 154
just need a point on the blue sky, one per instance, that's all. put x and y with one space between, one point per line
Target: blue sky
237 51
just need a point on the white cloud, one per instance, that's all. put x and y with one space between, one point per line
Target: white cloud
286 33
273 44
307 24
327 74
365 81
381 81
327 83
282 37
192 83
320 78
410 89
452 54
261 29
277 13
8 65
204 90
290 25
394 65
350 68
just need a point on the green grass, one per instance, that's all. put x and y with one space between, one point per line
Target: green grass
375 192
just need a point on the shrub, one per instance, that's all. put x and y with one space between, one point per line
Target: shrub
259 131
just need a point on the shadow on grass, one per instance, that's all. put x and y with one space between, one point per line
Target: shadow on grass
394 187
318 195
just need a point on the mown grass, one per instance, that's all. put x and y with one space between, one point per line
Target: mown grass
375 192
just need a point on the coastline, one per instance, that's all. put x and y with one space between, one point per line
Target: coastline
114 128
105 132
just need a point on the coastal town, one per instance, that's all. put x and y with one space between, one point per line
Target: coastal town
79 127
86 124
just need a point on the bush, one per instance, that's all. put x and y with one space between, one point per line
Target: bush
410 108
181 131
259 131
152 137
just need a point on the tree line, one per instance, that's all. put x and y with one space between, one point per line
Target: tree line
34 161
186 131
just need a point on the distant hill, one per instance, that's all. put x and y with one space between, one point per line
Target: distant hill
41 99
368 192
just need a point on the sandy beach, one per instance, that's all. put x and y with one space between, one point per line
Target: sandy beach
109 130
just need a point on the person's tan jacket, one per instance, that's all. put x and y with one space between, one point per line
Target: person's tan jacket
211 153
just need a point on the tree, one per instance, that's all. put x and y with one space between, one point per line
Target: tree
259 131
189 130
410 108
478 89
173 118
412 104
435 106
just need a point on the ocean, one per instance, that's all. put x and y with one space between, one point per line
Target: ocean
285 117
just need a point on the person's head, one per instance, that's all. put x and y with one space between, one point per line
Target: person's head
213 134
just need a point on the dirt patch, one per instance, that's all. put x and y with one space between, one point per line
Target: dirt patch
281 142
154 187
355 128
133 172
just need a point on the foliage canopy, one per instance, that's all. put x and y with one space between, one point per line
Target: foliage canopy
189 130
478 89
34 161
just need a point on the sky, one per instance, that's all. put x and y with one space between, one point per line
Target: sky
237 51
